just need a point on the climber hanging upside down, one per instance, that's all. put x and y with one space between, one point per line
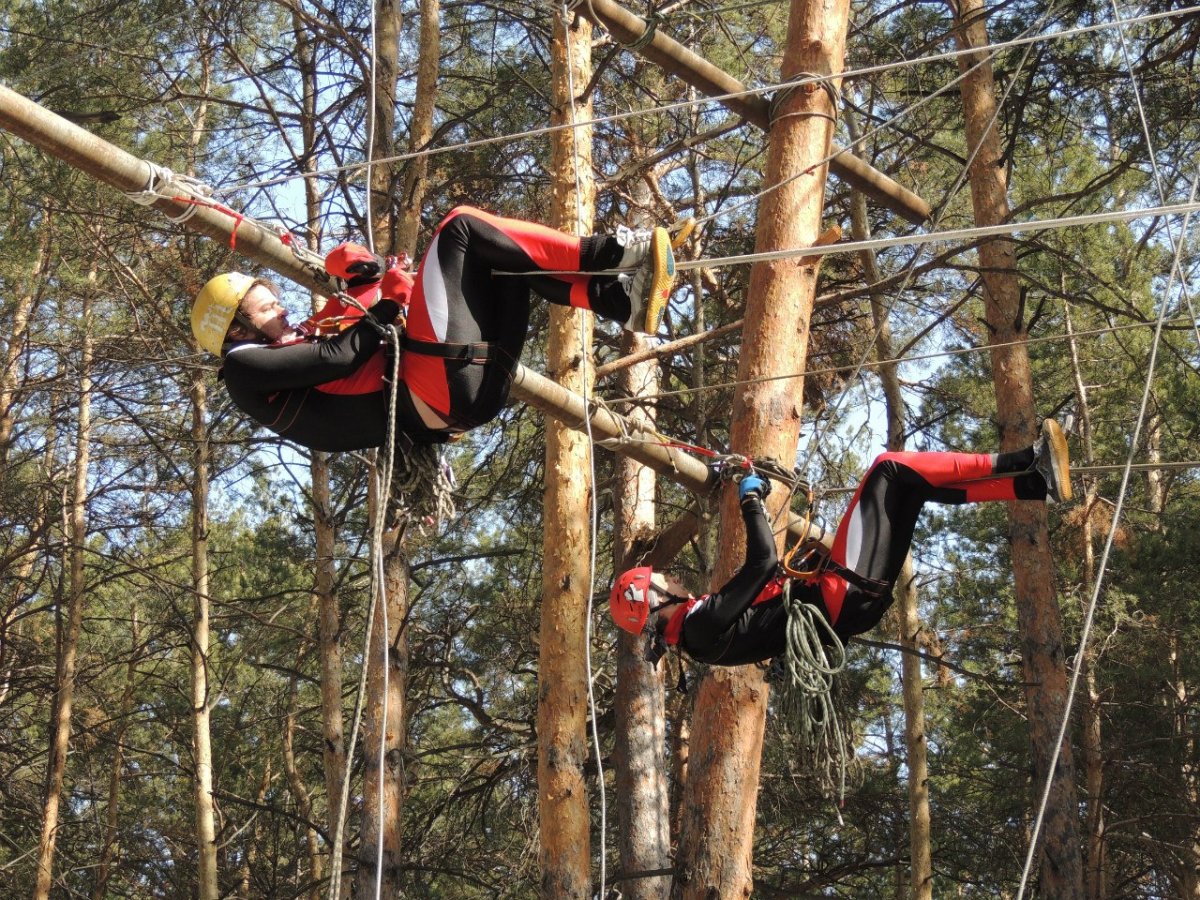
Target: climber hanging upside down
746 620
466 327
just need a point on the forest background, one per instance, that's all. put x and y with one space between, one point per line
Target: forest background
156 549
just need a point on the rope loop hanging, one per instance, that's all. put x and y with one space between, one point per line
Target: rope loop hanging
645 37
814 655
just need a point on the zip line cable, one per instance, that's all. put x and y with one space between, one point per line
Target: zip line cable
351 168
869 364
957 234
1093 602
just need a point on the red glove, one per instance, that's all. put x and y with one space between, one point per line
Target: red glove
396 285
354 264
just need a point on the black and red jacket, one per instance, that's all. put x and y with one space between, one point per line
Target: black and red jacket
327 393
745 621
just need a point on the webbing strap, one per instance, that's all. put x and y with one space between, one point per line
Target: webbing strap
478 353
871 586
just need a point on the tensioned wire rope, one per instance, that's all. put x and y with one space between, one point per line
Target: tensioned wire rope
1118 509
911 268
920 357
1154 166
717 98
854 246
945 236
914 239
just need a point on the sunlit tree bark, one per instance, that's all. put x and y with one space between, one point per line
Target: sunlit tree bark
715 845
563 809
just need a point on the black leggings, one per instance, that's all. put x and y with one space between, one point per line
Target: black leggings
460 297
876 533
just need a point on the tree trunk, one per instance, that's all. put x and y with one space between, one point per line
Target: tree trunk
254 838
207 884
202 784
380 211
60 735
905 592
384 724
300 794
1096 879
329 646
385 733
420 132
329 625
642 802
111 846
565 856
714 857
1038 617
16 328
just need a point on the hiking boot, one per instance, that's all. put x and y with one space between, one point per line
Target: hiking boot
1052 462
650 285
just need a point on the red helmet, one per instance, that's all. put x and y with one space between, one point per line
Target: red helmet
629 601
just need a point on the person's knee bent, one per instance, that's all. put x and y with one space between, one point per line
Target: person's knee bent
888 461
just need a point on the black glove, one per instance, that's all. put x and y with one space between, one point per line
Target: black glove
655 647
356 264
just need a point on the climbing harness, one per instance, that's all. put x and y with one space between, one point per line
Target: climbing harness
474 354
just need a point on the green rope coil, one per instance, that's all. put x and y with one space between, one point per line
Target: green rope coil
810 665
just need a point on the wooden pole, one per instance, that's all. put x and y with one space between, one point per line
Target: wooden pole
754 108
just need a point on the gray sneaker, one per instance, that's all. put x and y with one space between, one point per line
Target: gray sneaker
635 244
649 287
1052 461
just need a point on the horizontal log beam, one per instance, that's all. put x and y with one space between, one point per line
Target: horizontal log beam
695 70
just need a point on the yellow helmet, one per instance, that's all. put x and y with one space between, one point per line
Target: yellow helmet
215 307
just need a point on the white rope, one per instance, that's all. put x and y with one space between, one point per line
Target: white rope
163 184
591 451
1093 602
377 569
920 357
718 98
383 484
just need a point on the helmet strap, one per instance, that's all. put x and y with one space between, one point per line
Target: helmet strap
240 318
671 600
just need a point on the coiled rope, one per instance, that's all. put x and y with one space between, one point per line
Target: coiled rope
814 655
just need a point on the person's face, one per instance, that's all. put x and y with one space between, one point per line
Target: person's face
264 311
